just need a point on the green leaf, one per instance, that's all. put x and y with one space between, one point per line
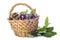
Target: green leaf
33 11
49 29
46 22
25 11
29 35
38 28
41 30
49 34
38 34
54 33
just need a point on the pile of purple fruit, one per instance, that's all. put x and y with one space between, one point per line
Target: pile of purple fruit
22 16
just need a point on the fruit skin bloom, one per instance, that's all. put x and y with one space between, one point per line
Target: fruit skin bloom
22 17
14 15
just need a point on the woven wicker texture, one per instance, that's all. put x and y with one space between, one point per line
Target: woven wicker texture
23 27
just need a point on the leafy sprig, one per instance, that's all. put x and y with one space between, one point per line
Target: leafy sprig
25 11
45 30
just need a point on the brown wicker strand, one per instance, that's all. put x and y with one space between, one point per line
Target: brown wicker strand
17 5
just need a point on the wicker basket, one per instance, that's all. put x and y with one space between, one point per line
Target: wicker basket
23 27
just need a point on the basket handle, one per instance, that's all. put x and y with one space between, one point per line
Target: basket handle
17 5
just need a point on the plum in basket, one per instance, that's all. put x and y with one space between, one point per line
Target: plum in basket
32 16
22 17
14 15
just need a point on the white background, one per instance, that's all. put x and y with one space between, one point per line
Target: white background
50 8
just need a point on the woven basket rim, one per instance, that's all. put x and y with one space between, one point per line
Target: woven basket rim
29 19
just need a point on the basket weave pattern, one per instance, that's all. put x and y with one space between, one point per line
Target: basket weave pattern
23 27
